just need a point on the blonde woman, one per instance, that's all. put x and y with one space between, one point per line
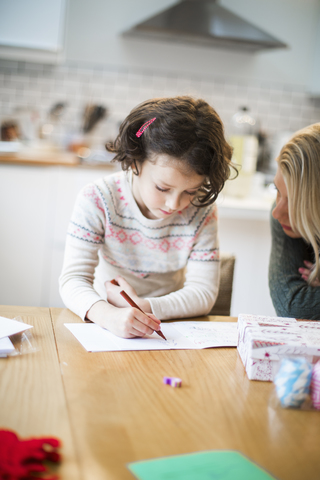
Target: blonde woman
294 269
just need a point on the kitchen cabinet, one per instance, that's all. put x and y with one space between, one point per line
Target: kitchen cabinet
249 239
26 204
37 202
32 30
68 185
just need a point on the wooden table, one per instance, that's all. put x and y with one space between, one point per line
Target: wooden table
111 408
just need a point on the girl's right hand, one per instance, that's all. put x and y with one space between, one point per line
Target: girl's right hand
126 322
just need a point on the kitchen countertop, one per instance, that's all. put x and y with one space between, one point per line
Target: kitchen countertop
48 157
256 206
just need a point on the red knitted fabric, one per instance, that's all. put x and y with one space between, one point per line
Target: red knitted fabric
22 459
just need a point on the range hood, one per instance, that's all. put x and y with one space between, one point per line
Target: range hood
204 22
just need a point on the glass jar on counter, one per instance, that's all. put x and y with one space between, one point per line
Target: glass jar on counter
244 140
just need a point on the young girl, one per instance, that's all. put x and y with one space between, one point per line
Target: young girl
294 269
153 226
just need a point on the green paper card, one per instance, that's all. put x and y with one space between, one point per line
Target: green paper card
217 465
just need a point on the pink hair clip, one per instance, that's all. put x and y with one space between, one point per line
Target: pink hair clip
144 127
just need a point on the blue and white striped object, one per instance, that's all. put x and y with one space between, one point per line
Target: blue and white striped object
293 381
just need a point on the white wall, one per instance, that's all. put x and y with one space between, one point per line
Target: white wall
295 22
314 86
93 35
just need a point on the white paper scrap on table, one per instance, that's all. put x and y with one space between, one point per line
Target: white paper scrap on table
6 346
179 335
10 327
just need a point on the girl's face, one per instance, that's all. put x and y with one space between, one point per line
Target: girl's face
164 187
281 210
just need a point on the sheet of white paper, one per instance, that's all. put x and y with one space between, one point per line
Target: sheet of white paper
11 327
209 334
180 335
6 346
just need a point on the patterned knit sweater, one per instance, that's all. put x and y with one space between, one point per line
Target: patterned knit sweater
173 262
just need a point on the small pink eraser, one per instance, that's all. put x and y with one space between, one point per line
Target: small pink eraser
173 381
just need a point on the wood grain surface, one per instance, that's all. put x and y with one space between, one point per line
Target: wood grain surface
49 158
32 398
40 158
121 412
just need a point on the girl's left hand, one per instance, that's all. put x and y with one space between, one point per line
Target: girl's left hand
306 271
113 292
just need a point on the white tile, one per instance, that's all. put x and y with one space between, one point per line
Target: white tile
278 106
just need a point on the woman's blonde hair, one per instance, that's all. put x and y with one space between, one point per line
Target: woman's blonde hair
299 161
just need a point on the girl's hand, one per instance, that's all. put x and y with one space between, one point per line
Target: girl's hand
306 271
130 322
113 293
115 299
123 322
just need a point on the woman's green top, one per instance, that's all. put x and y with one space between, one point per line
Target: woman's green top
290 294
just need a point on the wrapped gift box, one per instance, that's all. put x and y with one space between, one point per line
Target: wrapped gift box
264 341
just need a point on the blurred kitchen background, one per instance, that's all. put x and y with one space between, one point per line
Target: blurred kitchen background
70 72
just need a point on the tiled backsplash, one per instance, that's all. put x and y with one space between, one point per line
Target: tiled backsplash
278 107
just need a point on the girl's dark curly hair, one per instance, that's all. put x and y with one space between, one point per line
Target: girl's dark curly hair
185 128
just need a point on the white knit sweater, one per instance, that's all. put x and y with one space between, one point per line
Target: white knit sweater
173 262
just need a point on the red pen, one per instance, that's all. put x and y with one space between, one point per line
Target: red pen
133 304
